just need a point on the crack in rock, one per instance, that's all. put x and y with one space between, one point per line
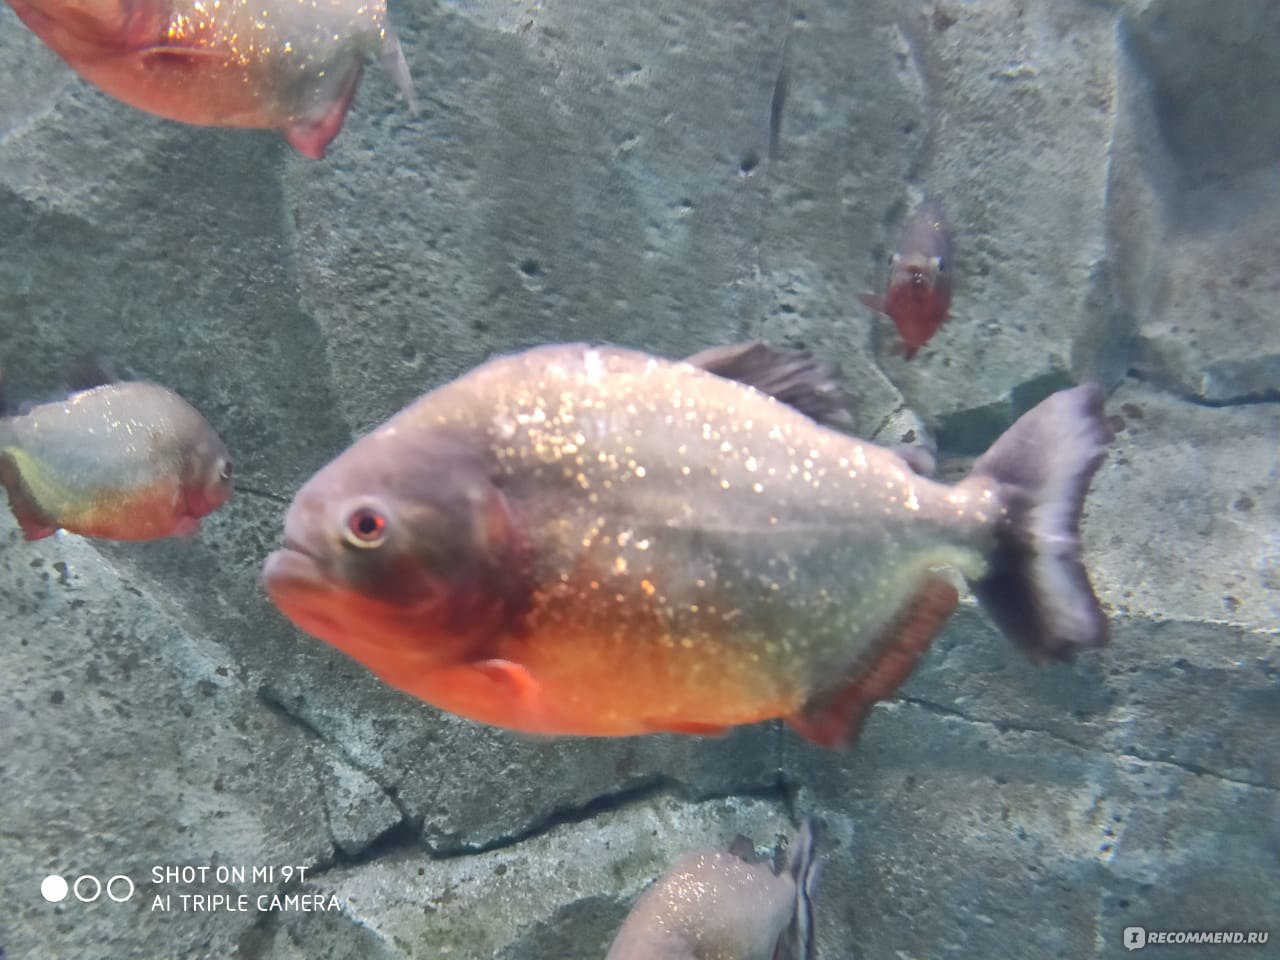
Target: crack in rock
1265 397
1003 726
273 702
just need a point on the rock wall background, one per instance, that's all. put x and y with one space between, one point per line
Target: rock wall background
665 175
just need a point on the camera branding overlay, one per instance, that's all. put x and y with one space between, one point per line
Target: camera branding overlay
1135 938
186 888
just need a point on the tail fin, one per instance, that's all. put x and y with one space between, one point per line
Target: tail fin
1037 590
796 942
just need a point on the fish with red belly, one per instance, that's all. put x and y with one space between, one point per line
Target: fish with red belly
591 540
919 292
123 461
289 65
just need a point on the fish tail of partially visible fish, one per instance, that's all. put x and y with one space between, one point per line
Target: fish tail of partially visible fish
397 68
796 942
1036 588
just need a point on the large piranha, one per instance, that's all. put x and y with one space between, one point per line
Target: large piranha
591 540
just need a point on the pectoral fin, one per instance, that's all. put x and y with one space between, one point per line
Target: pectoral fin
834 719
873 300
499 692
517 681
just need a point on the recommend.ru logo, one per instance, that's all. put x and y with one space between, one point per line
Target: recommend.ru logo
1135 938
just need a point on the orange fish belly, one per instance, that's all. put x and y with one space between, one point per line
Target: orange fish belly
180 66
598 658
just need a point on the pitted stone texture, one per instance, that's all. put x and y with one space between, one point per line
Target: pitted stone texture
1209 478
561 894
1020 101
130 744
1041 842
1196 198
556 187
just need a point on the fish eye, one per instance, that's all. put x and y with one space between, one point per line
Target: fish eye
365 527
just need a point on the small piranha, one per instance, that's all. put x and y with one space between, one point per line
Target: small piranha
721 905
596 541
289 65
123 461
919 291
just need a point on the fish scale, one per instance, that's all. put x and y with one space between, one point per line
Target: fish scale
806 537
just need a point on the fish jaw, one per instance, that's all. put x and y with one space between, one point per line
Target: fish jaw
383 607
292 579
201 499
300 587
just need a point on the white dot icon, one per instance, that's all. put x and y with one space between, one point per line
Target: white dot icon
53 888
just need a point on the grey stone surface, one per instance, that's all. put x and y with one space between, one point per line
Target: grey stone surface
132 742
666 175
540 897
1196 212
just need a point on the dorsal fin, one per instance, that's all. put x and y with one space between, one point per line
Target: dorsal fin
743 849
795 377
89 370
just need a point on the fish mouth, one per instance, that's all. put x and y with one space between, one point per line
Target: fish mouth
291 571
295 582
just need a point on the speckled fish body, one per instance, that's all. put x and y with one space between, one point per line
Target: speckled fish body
124 461
919 290
715 905
595 541
291 65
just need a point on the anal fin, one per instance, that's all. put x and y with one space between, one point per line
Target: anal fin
311 137
873 300
835 719
693 727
